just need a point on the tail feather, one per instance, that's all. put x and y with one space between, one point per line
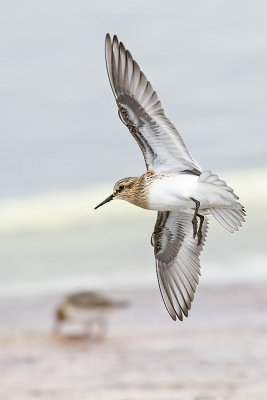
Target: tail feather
209 177
229 218
241 214
217 215
235 217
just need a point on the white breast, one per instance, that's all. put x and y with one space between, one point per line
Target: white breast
173 192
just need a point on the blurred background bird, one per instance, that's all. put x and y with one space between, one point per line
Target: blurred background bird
87 309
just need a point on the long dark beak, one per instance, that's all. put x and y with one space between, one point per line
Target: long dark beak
109 198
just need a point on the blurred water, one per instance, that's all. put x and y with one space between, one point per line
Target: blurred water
58 242
60 132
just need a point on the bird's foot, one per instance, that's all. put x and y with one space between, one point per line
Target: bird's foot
194 220
199 232
199 237
194 223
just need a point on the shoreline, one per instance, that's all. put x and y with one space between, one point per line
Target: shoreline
211 275
218 352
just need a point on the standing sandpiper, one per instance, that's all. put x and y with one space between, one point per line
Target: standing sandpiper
88 308
174 184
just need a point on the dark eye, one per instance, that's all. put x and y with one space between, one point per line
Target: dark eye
121 187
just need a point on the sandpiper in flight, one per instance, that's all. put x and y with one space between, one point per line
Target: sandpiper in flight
174 184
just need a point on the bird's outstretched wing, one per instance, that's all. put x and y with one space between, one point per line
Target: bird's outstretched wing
177 260
141 111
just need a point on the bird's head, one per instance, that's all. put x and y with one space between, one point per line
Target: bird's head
124 189
60 314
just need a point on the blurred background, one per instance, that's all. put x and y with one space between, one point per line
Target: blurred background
62 149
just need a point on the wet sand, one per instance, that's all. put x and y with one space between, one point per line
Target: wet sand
219 352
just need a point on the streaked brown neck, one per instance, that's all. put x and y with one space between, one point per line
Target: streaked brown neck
139 194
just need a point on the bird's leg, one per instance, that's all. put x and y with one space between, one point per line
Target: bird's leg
194 220
199 232
56 327
102 328
88 329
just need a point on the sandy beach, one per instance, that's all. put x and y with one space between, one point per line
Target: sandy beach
219 352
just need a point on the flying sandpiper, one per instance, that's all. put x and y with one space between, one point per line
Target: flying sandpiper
174 184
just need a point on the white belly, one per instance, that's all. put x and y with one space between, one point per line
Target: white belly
173 192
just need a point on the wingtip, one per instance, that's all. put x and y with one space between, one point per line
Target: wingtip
180 317
107 42
115 39
173 316
112 40
177 315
